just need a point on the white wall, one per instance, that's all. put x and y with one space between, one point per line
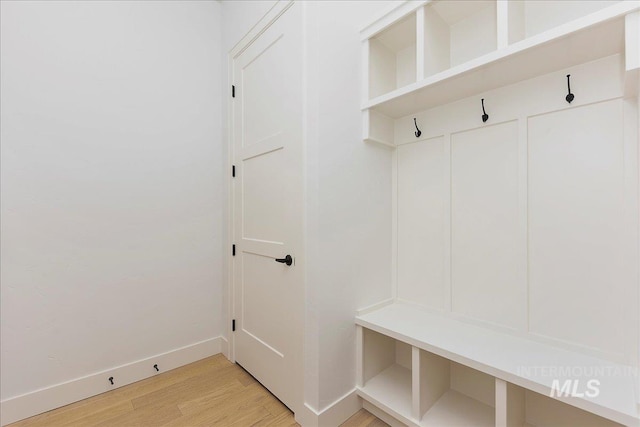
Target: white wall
111 185
352 235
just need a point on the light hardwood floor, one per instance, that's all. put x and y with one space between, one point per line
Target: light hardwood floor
210 392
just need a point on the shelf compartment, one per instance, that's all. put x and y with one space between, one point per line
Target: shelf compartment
586 39
451 394
525 408
456 32
392 57
386 374
528 18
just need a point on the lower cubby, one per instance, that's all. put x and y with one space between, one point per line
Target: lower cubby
386 373
526 408
420 388
451 394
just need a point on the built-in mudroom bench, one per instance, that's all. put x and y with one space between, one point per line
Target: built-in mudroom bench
428 370
513 131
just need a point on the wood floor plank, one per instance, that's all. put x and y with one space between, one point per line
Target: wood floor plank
77 410
81 414
94 417
248 400
276 408
283 420
211 399
211 392
145 418
190 388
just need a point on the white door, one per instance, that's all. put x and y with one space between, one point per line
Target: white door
268 295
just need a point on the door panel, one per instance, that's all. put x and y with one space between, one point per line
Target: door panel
263 109
263 200
263 282
268 297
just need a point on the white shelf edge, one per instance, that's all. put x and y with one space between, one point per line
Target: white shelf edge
378 141
395 14
373 395
451 402
376 306
612 12
360 391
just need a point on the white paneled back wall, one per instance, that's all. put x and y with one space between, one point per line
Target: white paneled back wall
527 223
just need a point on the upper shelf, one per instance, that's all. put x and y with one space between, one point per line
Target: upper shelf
448 69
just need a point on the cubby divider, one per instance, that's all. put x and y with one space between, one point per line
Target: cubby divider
456 32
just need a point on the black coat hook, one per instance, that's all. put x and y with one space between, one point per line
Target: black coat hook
111 380
156 366
417 132
570 96
485 116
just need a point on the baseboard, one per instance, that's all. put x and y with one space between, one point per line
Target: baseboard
46 399
334 414
340 410
224 346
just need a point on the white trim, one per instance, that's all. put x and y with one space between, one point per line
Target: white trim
502 21
501 403
379 141
269 18
395 14
359 356
638 243
374 307
224 346
364 51
46 399
446 215
632 41
340 410
394 223
419 44
334 414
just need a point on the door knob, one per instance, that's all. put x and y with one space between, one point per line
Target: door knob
286 260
